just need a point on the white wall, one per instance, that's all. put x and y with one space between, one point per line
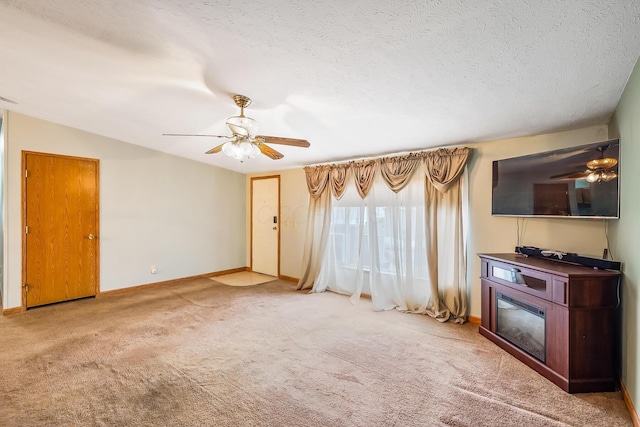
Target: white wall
185 217
294 204
625 233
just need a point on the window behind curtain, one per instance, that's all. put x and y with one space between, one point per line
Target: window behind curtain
377 246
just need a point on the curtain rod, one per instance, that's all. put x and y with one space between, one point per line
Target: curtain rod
396 154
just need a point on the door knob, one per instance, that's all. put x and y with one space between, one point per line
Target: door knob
91 237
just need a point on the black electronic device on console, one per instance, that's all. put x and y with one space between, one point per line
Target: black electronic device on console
602 264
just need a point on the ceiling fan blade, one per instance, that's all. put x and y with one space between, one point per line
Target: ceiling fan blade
190 134
571 175
285 141
269 152
215 149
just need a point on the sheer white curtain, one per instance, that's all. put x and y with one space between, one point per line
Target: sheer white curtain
378 246
397 232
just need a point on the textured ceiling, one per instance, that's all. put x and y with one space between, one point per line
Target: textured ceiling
355 78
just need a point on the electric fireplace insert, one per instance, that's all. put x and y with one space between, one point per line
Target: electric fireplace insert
522 324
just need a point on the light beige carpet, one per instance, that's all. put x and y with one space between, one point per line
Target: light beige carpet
204 354
243 278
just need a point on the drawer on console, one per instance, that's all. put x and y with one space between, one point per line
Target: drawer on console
527 280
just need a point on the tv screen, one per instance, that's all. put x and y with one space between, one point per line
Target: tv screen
577 182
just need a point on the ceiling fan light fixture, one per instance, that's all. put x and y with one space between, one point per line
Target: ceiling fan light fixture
249 149
601 175
243 126
240 150
229 149
593 177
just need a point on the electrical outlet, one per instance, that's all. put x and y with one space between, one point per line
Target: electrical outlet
154 270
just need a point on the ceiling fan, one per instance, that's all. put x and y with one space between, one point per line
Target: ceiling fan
243 141
598 170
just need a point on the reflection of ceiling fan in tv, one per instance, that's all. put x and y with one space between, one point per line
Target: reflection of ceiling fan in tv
598 170
243 141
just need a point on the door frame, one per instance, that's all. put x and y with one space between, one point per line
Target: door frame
277 177
23 170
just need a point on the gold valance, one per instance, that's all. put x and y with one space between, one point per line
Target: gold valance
442 168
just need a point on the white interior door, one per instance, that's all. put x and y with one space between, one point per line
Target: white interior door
265 225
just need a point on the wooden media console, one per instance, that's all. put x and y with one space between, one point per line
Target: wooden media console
557 318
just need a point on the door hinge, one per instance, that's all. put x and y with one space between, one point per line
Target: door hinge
26 173
26 229
26 287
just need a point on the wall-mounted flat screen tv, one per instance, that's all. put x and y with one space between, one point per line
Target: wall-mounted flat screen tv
576 182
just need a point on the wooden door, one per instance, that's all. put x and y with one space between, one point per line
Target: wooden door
61 227
265 225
